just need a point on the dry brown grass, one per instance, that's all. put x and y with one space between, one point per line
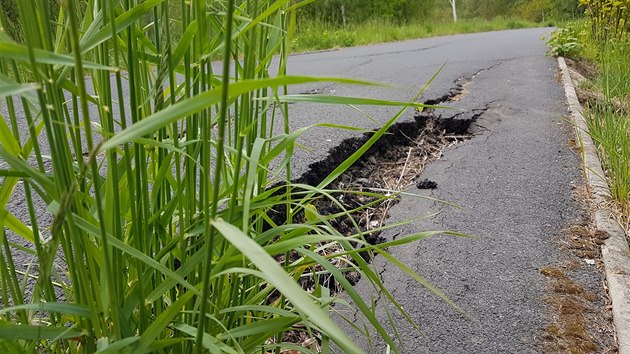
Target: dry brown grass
572 327
582 322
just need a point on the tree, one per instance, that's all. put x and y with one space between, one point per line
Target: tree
342 12
454 6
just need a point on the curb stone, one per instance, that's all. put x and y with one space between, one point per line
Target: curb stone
615 251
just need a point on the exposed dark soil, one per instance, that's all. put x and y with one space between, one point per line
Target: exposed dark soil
584 67
393 164
364 194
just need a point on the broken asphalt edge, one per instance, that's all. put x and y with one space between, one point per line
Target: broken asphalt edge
615 251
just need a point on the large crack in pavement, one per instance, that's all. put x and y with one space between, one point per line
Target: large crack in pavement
456 126
394 163
399 133
459 89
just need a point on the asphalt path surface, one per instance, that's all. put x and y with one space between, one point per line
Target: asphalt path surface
408 66
513 182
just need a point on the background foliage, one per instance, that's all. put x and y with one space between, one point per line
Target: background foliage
405 11
609 18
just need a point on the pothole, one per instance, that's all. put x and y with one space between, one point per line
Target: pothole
394 163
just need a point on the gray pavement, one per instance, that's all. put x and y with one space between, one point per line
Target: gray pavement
513 182
408 66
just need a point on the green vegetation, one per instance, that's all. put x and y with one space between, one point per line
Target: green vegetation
609 121
564 42
609 18
347 12
343 23
604 40
314 35
611 130
353 12
169 232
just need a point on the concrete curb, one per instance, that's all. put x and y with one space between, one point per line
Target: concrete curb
615 251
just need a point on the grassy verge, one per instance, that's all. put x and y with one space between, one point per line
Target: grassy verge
609 121
607 99
312 35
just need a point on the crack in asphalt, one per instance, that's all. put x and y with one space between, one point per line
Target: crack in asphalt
474 115
382 280
415 50
459 87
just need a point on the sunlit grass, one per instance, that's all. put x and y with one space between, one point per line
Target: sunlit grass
315 35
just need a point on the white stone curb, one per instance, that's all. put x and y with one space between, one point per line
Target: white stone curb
615 251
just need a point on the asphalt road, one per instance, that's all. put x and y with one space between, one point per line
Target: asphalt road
408 66
513 182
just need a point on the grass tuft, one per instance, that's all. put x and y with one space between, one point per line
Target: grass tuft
154 165
609 121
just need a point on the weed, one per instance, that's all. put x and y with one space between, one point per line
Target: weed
611 131
564 42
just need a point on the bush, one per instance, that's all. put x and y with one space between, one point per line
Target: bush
515 24
609 18
564 42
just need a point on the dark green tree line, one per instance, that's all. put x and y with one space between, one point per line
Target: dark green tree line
340 12
534 10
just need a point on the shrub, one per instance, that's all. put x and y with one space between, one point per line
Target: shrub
564 42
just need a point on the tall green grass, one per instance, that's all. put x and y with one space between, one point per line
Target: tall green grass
154 163
603 39
614 73
611 131
609 121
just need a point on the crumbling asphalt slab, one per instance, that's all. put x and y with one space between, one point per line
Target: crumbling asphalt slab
513 183
407 67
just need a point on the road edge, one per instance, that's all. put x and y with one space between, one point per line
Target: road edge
615 251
